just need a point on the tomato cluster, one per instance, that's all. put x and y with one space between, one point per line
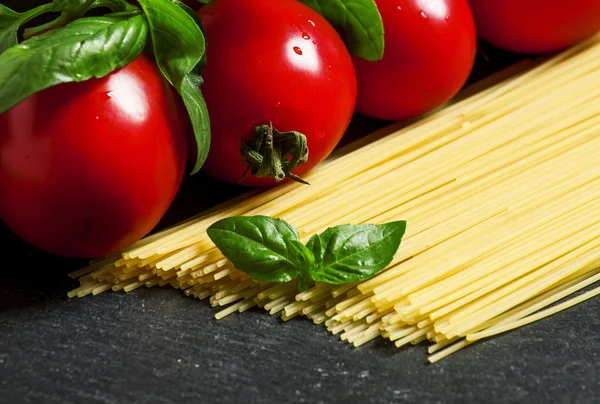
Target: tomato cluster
88 168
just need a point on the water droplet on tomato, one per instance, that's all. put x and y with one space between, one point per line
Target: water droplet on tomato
305 36
297 50
314 42
400 8
109 94
423 14
278 104
447 18
311 23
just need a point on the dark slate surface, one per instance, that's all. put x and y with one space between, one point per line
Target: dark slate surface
158 346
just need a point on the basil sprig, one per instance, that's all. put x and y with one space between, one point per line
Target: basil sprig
270 250
179 47
86 48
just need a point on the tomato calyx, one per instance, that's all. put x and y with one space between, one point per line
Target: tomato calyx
274 154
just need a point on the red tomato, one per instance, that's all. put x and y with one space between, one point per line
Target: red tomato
535 26
277 61
89 168
430 48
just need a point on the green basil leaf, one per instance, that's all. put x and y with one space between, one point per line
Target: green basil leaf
178 40
71 10
10 21
179 48
86 48
261 246
351 253
316 246
200 66
196 107
357 21
76 7
306 261
8 16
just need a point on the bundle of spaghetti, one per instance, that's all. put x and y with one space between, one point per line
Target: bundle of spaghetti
501 193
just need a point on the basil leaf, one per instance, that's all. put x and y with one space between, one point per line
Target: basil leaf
71 10
74 7
10 21
261 246
351 253
306 261
200 66
86 48
315 245
8 16
77 8
196 107
179 48
357 21
177 39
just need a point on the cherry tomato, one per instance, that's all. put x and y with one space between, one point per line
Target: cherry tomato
89 168
430 48
273 61
535 26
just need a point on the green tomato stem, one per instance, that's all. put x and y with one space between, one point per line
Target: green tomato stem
274 154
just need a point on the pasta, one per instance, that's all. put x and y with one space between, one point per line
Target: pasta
501 194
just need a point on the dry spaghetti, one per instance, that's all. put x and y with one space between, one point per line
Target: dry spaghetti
501 192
